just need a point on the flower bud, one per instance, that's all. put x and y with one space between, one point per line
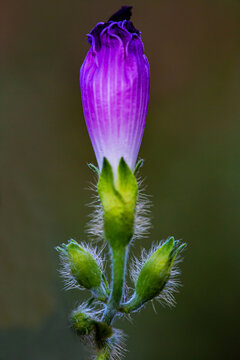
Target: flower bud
83 266
119 202
82 323
85 323
114 81
155 273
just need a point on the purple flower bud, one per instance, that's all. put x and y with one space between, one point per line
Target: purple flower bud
114 80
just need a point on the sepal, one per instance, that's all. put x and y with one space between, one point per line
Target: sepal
118 197
138 166
94 168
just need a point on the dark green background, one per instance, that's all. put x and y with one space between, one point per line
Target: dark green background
192 170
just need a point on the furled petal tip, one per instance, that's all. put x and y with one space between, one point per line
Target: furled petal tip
114 80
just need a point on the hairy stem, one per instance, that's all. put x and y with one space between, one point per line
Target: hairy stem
119 256
131 305
103 354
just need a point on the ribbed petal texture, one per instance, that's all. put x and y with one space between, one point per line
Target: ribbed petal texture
114 80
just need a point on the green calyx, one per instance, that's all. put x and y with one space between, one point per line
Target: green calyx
155 273
84 268
118 197
85 325
82 323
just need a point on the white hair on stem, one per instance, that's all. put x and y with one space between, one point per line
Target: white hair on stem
116 345
90 310
95 225
142 218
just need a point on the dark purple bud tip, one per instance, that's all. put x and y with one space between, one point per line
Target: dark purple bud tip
124 13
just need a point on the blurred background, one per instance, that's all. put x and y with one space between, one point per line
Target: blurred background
191 151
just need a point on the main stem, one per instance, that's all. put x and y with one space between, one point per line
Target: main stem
119 256
103 355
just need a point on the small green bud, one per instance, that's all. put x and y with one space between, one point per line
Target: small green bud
118 197
85 323
82 323
83 267
155 273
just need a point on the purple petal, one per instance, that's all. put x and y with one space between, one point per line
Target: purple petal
114 80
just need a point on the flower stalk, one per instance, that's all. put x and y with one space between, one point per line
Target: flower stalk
119 257
114 81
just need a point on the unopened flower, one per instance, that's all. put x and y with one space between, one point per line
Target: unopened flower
82 267
84 320
151 275
114 80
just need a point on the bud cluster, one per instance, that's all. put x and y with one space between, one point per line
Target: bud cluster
153 274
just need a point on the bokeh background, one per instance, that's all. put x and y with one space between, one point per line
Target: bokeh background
191 149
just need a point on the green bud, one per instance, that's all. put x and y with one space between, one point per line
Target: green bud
118 197
83 267
155 273
82 323
85 323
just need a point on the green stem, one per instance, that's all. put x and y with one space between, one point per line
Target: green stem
132 305
103 355
106 284
119 256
